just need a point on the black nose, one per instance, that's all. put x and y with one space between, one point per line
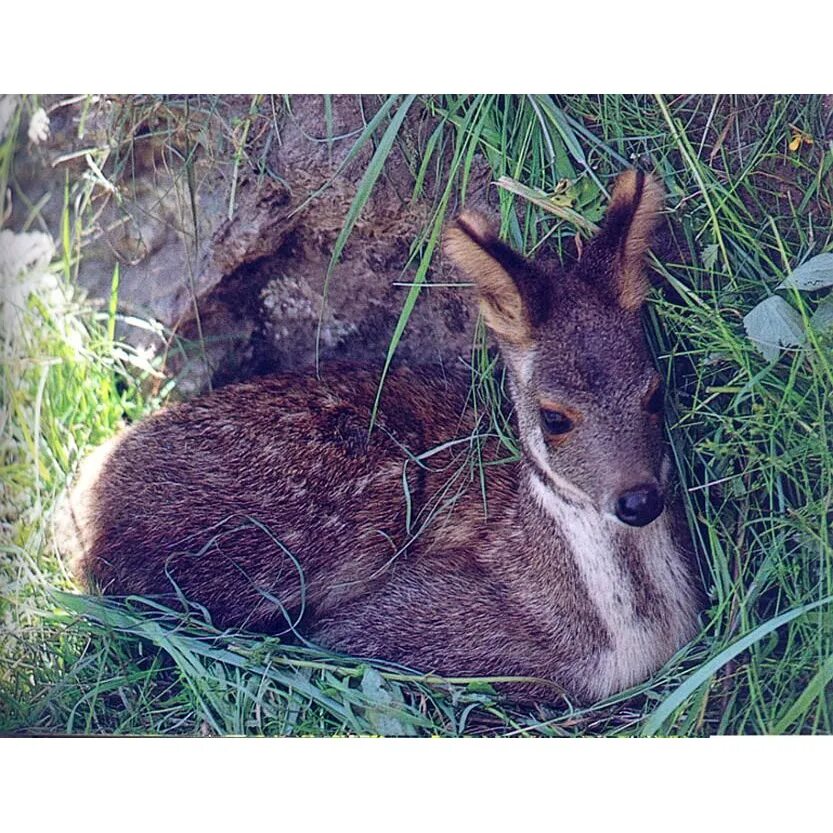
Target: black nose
640 505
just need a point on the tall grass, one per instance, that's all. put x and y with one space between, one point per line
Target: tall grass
751 438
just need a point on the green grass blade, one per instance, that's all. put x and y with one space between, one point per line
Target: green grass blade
705 672
361 141
365 186
816 688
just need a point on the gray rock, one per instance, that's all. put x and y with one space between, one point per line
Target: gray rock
227 250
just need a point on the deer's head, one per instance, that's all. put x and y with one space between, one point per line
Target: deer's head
587 396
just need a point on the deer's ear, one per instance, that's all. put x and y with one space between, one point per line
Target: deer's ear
626 233
514 297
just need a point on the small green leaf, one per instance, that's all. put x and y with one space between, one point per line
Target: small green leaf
383 706
710 253
481 687
545 201
774 324
815 273
822 318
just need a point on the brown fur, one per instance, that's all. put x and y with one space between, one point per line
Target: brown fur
268 503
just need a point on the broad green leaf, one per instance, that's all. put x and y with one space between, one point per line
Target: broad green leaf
815 273
774 324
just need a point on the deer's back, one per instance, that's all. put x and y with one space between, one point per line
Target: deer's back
268 496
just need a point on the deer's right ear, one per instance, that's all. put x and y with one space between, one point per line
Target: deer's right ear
514 298
622 243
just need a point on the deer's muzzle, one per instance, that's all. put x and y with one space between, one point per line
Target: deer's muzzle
640 505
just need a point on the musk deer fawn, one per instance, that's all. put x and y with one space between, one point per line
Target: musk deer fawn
270 504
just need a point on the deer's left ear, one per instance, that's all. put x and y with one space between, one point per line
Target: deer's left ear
623 241
514 296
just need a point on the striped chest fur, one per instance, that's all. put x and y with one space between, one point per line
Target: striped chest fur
638 585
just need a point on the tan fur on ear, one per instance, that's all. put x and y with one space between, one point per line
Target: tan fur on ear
467 243
636 203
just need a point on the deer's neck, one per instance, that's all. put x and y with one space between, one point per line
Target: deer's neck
634 583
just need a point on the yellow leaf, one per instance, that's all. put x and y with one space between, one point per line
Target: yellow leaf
795 144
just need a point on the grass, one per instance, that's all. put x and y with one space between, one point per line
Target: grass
751 438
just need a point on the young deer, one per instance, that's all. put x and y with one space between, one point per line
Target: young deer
268 502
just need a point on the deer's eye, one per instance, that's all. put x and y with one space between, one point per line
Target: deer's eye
555 422
655 399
